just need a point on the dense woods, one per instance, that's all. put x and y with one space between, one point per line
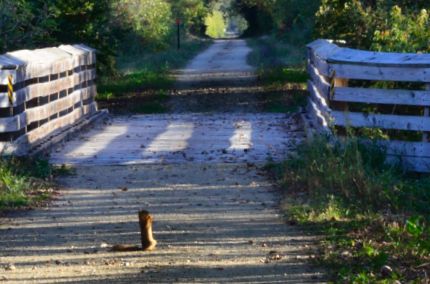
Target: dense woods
110 26
115 26
391 25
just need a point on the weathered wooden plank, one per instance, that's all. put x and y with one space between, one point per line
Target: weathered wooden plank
406 148
46 129
323 48
320 82
122 142
376 73
319 100
385 121
426 114
379 59
47 88
413 164
14 123
317 118
318 52
80 55
382 96
20 121
91 52
46 111
27 64
43 62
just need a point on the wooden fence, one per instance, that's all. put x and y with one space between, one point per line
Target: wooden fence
43 92
345 83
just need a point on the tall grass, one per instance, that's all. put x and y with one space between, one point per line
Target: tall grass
23 182
373 215
357 174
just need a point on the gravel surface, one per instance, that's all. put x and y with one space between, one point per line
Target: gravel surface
215 222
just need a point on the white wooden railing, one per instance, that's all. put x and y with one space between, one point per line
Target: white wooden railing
331 69
43 92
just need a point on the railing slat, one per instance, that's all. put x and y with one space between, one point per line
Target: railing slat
382 96
376 73
384 121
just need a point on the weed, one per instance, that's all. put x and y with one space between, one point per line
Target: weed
129 84
23 182
374 217
63 170
283 75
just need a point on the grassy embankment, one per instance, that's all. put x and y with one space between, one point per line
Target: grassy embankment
144 78
25 182
374 218
281 70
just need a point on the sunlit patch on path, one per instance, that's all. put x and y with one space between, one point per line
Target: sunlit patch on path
178 138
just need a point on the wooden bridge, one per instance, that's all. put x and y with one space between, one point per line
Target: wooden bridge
52 95
48 93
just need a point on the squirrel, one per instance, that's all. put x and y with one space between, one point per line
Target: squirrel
147 238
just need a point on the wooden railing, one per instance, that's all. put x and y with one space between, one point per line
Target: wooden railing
43 92
345 82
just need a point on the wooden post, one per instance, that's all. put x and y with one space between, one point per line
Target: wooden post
145 221
426 113
338 82
178 24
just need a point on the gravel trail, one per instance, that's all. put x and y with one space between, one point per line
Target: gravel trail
216 214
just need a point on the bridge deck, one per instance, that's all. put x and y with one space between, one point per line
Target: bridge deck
178 138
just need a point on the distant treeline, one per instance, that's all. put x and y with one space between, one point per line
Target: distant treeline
115 26
391 25
111 26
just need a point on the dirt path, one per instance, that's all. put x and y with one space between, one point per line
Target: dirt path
222 56
217 80
216 215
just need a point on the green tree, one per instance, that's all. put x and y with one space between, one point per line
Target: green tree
403 33
215 24
151 19
24 24
192 13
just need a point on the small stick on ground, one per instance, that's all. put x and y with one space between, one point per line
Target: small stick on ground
145 221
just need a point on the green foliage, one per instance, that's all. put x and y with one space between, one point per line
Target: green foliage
191 13
357 174
371 213
401 26
22 181
151 20
403 32
107 25
24 23
131 84
215 24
